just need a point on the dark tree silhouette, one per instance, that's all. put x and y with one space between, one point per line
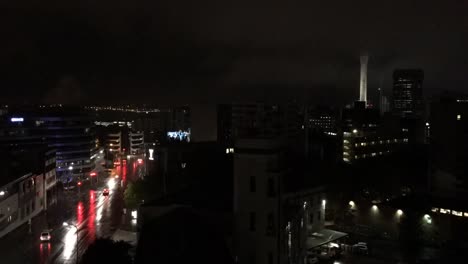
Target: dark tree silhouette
105 250
411 236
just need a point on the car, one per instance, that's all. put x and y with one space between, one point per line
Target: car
45 236
312 259
105 192
361 247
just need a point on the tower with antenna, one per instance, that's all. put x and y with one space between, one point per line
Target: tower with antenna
363 79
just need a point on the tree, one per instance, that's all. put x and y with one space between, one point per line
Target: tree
135 193
105 250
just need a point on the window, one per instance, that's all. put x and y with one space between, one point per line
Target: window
271 187
252 221
253 186
270 224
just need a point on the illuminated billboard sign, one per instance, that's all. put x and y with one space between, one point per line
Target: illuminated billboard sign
151 151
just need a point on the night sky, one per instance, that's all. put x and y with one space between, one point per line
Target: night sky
182 51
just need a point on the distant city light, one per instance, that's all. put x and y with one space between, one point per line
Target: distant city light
427 218
134 214
375 208
2 193
352 204
354 131
140 161
399 212
17 119
324 202
427 124
458 117
70 168
151 151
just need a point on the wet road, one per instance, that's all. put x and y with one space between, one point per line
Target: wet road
93 214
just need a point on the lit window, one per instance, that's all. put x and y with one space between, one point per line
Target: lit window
356 144
435 210
405 140
458 117
444 211
465 214
457 213
374 154
345 153
356 156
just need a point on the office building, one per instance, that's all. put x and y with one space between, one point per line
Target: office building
407 92
69 131
259 120
323 120
449 142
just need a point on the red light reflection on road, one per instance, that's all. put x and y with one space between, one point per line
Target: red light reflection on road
92 216
124 174
79 213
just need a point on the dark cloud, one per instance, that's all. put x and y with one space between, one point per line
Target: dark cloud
166 51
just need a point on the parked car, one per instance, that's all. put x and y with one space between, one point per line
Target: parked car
361 247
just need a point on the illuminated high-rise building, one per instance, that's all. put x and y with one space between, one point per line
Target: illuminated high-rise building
407 92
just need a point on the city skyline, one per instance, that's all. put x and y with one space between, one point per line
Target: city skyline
83 53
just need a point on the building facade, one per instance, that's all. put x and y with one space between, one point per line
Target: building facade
136 142
257 197
358 146
449 141
407 92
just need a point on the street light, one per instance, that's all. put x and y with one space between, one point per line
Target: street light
68 224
